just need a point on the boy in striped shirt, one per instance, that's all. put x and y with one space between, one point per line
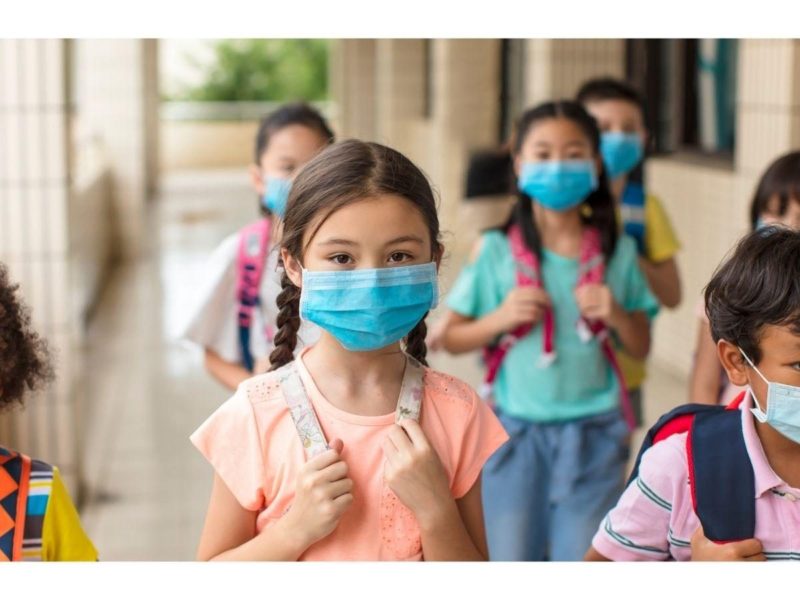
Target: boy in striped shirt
753 305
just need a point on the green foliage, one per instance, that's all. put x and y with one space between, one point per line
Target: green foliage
264 70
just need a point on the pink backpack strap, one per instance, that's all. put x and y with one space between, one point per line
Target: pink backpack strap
254 240
591 270
528 273
409 403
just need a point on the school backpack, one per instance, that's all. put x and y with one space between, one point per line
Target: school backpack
25 486
528 273
250 261
721 475
632 213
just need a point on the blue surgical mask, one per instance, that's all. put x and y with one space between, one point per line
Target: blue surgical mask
367 309
783 406
558 185
621 152
276 193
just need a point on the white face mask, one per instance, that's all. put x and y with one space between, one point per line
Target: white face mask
783 406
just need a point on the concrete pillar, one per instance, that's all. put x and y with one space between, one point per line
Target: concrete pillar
34 197
116 102
557 68
353 86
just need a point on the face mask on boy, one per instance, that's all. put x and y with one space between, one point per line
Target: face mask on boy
621 152
367 309
276 193
558 185
783 406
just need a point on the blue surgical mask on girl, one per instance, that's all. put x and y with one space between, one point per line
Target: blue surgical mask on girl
367 309
783 406
621 152
276 193
558 185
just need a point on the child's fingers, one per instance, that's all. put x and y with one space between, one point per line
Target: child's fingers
338 488
400 439
337 445
322 460
334 472
748 548
756 558
415 433
343 501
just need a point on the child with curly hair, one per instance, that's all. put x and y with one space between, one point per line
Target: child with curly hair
37 518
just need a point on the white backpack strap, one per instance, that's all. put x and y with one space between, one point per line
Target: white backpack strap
303 415
409 403
305 419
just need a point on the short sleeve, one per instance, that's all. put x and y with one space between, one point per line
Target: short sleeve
636 294
63 537
229 439
210 320
472 294
660 239
482 436
638 527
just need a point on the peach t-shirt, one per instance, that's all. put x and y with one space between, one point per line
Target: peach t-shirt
252 443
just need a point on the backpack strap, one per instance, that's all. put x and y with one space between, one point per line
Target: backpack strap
591 269
409 403
633 214
15 469
250 261
39 492
721 476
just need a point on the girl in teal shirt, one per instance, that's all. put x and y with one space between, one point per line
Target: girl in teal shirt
549 288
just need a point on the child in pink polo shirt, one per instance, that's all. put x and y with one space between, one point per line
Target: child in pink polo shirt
353 450
753 305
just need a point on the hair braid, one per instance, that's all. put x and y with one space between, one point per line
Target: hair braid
415 342
288 323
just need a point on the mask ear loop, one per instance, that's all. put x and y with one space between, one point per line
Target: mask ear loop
760 374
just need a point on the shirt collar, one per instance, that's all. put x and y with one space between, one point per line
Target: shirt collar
765 478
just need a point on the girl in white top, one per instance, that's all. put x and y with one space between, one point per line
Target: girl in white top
236 345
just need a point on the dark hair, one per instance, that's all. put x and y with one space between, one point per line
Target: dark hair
758 285
608 88
781 179
600 203
341 174
24 358
297 113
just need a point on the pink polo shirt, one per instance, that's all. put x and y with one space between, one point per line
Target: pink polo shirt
654 518
252 443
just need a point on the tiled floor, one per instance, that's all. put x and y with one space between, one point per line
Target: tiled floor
147 487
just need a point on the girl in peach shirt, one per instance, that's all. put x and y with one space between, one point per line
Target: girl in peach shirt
355 450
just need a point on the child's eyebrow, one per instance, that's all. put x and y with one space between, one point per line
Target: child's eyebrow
406 238
338 242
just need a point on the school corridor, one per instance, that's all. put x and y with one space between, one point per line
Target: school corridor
113 193
145 486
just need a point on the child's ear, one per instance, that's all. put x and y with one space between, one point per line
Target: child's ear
733 362
598 163
437 257
292 267
256 179
517 165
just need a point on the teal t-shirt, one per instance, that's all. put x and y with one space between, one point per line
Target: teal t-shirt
580 383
